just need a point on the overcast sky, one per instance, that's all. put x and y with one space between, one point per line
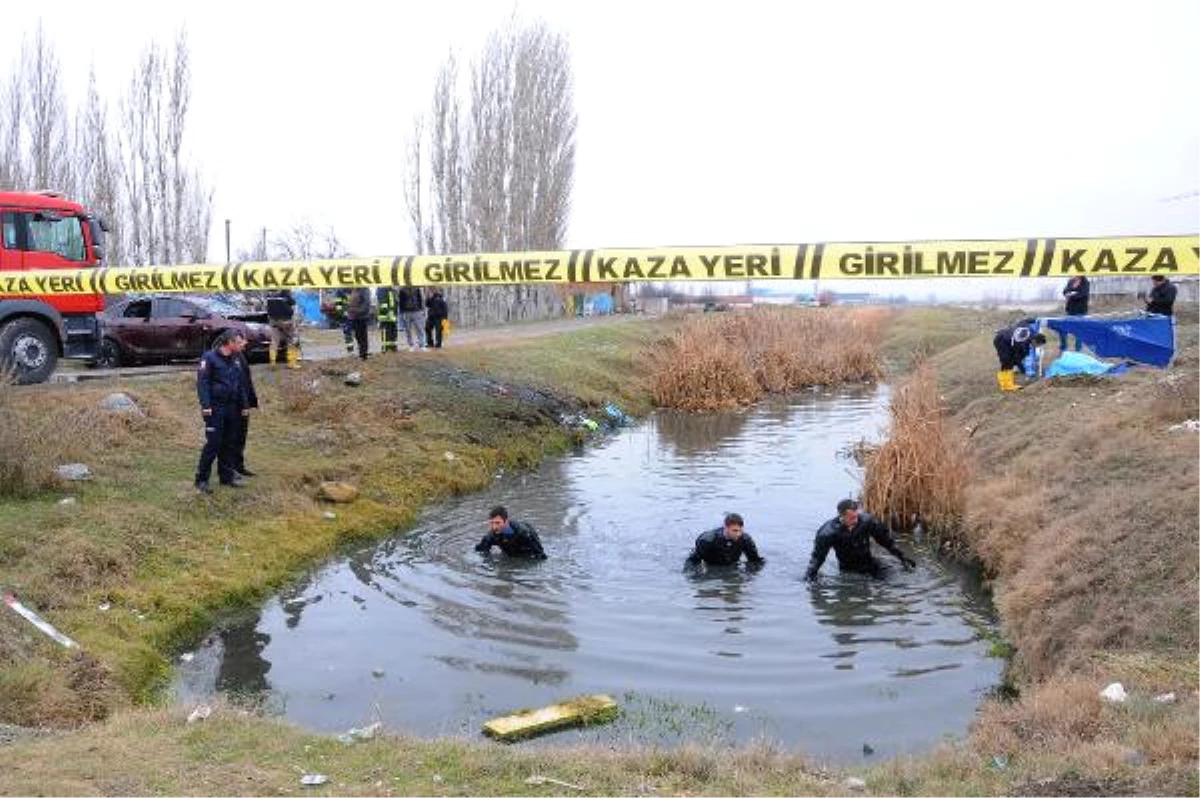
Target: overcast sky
738 122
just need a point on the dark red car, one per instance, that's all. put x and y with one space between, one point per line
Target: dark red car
170 327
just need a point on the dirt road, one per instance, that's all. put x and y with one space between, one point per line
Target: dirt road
323 344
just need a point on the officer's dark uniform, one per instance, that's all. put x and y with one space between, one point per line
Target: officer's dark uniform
853 546
713 548
386 299
221 386
516 540
243 427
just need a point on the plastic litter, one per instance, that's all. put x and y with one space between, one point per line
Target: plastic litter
199 713
1165 698
855 783
74 472
328 516
313 779
66 502
39 622
351 736
1114 693
616 414
188 657
353 378
537 780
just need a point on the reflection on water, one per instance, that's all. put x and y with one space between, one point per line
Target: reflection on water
427 635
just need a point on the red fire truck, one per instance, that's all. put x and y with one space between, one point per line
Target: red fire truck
42 230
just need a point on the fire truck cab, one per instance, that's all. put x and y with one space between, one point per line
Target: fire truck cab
42 230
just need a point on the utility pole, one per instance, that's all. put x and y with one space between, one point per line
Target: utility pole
228 260
264 244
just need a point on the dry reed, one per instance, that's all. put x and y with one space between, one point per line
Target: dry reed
727 360
920 473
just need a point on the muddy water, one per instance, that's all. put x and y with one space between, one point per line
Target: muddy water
432 638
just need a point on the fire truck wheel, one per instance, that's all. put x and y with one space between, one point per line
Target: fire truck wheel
29 350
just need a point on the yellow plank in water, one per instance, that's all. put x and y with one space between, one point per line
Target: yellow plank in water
585 709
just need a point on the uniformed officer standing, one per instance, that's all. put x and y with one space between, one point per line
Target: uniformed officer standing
221 386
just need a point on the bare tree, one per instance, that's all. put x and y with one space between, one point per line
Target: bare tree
167 209
499 174
46 120
12 112
98 169
302 241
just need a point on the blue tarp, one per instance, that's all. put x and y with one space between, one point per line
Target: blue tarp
309 305
1145 338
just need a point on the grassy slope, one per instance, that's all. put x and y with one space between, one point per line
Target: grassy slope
1085 508
167 560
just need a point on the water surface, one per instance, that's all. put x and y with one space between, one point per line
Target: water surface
432 638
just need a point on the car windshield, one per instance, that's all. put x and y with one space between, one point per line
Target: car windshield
217 306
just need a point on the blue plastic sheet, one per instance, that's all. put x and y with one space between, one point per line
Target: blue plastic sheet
1145 338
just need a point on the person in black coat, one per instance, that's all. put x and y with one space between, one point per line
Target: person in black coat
1012 347
221 386
435 313
1162 296
725 545
850 535
515 538
1076 292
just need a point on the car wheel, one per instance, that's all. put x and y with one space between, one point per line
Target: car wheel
28 351
109 356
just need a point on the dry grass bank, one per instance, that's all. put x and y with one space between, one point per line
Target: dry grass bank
721 361
919 474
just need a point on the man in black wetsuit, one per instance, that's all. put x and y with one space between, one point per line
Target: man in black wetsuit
515 538
725 545
850 535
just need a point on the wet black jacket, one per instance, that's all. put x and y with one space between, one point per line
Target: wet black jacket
1162 298
523 542
713 548
281 305
1013 344
221 381
1077 292
852 546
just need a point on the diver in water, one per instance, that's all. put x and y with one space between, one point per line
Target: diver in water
725 545
850 535
515 538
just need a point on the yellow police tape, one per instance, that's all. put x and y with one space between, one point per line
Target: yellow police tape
1015 258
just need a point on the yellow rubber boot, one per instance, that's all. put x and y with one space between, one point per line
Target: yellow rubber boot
1007 380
